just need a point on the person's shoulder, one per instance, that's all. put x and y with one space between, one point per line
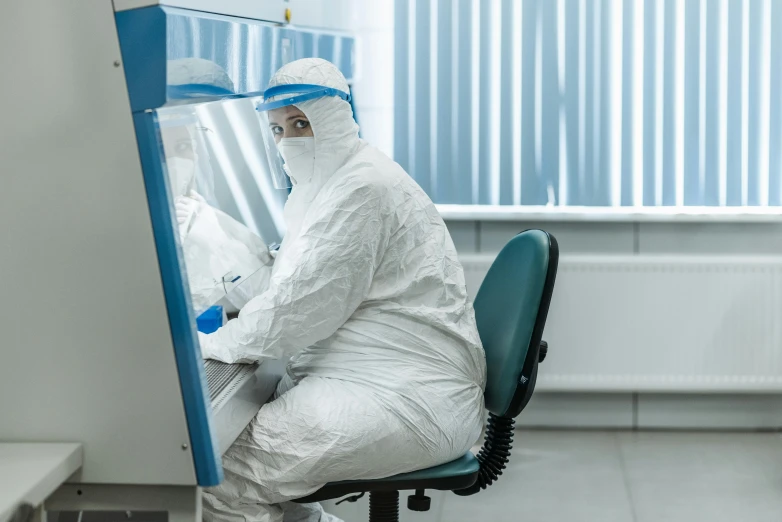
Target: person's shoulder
371 170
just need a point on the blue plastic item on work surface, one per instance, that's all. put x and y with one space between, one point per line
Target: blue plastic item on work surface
210 320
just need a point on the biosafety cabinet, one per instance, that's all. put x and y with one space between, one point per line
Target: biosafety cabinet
110 112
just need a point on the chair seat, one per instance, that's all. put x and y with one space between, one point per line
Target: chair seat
457 474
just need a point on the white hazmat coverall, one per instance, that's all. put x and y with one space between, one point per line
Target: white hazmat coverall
367 297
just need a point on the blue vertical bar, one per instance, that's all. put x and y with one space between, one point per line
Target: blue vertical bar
303 45
444 178
423 63
209 471
217 48
326 44
550 98
602 180
252 73
775 109
589 112
692 38
734 108
238 73
266 61
205 47
275 58
628 105
650 77
465 101
486 119
348 59
401 84
339 54
531 188
711 168
180 37
571 98
669 155
753 163
506 115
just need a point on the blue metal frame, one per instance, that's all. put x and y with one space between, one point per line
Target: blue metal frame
142 35
149 37
142 39
209 471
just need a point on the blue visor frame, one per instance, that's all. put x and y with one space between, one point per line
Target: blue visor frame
297 93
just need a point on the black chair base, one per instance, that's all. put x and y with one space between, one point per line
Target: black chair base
384 506
384 493
461 473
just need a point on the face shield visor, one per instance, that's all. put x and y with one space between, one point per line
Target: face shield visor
186 156
287 135
220 254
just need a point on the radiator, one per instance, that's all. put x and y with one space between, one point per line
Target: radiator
660 324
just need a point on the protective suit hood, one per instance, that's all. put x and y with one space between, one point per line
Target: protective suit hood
335 130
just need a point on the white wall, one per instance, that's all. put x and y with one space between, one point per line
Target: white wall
630 410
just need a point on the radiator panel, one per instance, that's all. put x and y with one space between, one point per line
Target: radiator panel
647 323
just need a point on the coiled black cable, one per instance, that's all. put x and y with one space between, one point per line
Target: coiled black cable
494 454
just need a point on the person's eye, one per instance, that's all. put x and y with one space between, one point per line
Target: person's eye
276 130
302 124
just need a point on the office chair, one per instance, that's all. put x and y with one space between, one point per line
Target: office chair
510 309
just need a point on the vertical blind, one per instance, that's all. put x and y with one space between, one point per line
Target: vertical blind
591 102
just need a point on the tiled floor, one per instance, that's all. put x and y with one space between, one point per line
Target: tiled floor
562 476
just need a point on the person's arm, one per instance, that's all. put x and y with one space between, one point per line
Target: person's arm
206 229
255 283
319 280
190 206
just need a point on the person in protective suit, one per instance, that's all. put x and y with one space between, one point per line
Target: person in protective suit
367 298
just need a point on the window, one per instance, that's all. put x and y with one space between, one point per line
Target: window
591 102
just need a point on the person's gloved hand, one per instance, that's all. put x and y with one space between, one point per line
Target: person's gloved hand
188 207
206 341
202 341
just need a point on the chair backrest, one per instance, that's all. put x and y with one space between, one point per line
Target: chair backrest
511 309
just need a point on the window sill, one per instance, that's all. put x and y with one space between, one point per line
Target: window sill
611 214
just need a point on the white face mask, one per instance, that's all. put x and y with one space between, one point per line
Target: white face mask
299 156
181 175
